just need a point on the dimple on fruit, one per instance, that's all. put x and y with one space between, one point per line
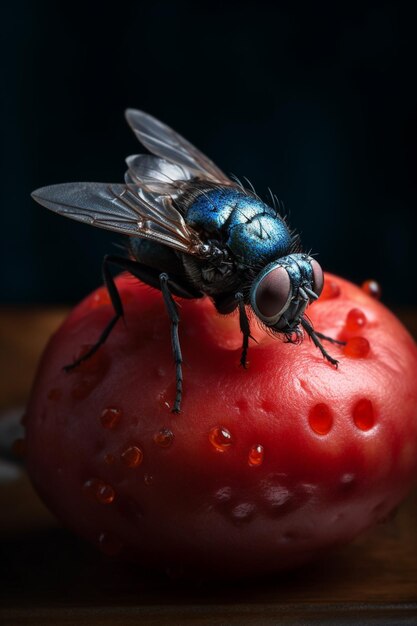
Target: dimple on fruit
262 470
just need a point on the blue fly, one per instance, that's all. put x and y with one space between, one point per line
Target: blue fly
193 231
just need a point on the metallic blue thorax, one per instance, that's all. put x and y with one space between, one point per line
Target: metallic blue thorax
250 228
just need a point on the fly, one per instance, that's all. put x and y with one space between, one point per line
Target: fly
195 232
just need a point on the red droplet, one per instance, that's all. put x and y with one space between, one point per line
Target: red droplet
364 414
164 437
357 347
99 491
109 459
109 544
99 298
54 394
105 493
320 419
256 455
220 438
166 397
372 288
330 290
355 320
110 417
132 456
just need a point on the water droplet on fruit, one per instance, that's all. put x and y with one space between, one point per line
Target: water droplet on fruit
54 394
132 456
364 414
105 493
277 496
357 347
355 320
99 298
320 419
164 437
372 288
256 455
167 396
223 494
110 417
330 290
220 438
99 491
242 512
109 544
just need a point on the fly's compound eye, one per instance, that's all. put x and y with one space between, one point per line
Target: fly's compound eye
318 278
271 296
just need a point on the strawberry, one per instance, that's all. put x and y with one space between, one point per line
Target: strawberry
263 468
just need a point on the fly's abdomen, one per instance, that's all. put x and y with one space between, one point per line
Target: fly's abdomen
250 228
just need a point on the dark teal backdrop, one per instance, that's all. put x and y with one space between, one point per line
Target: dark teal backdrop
316 101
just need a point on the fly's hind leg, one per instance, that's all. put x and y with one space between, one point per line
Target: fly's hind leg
172 310
127 265
176 285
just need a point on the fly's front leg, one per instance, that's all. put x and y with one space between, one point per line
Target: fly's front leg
330 339
125 264
172 310
315 339
244 327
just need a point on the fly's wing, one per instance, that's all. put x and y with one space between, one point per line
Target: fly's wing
165 143
126 209
158 176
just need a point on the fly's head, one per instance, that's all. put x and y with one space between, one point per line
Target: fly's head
283 289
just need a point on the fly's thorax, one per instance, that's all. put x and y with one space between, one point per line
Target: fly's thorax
283 289
252 230
211 278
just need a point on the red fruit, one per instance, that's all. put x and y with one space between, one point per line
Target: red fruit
263 468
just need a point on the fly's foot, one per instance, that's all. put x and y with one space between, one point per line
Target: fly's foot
84 357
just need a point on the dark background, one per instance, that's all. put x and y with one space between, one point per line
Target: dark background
317 101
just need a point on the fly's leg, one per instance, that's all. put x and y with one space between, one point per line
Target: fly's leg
244 327
315 338
178 285
326 338
172 310
127 265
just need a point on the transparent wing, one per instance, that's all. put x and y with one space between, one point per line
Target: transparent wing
169 145
126 209
156 175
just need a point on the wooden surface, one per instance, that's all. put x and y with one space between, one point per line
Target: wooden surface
49 577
